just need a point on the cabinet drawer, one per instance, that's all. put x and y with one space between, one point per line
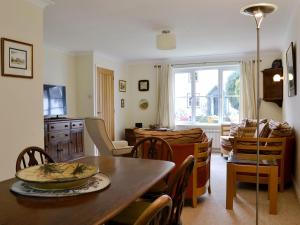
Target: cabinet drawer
76 124
59 137
58 126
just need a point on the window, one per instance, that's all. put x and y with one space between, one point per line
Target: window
207 94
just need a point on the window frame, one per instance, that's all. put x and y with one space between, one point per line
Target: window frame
193 71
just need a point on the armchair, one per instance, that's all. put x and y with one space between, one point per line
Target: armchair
97 131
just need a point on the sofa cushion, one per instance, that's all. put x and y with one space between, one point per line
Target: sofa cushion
234 129
195 135
280 129
263 130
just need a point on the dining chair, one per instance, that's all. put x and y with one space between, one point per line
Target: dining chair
32 156
242 166
157 212
158 149
176 190
202 153
98 133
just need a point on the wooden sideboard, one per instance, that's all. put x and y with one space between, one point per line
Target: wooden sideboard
64 138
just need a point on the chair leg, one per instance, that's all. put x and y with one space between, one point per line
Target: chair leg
273 189
194 201
209 189
230 186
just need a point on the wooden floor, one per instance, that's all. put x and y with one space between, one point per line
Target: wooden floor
211 208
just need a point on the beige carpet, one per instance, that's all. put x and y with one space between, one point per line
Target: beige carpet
211 208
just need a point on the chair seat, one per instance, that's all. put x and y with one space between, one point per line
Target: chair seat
122 151
130 214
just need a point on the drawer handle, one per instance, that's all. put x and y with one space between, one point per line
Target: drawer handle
66 135
80 124
59 150
66 125
52 127
74 125
52 136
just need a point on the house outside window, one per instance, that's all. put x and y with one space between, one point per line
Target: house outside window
207 95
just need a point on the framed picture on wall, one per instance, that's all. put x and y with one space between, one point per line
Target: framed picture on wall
16 58
291 70
122 85
143 85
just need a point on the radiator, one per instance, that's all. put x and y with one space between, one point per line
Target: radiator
211 132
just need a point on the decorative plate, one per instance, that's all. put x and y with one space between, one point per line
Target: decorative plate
57 176
96 183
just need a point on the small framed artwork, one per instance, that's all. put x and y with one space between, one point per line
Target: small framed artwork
291 70
143 85
16 58
122 85
122 103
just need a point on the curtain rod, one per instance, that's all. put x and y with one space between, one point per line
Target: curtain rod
203 63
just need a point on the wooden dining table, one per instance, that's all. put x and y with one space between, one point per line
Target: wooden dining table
130 178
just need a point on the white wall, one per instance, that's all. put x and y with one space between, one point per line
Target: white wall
84 95
59 69
21 114
145 70
86 65
291 105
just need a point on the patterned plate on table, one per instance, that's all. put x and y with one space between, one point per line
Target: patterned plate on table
96 183
57 176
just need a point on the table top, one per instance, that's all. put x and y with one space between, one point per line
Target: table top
130 178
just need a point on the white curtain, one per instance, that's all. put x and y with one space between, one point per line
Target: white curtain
248 90
165 86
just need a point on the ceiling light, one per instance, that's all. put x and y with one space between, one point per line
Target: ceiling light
166 40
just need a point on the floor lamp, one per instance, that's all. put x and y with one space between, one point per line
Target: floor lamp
258 12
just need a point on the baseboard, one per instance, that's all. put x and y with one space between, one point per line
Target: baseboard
297 189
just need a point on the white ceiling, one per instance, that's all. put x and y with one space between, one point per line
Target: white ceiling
126 29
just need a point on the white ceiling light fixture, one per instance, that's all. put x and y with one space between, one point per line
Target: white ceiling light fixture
166 40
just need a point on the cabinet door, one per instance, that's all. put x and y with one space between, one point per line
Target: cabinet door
76 147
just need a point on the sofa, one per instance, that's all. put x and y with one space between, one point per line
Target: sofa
183 144
267 129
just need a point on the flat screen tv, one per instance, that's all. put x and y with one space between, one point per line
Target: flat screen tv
55 104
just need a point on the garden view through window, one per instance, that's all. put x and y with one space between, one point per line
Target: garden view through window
207 94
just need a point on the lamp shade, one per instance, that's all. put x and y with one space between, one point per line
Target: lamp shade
166 40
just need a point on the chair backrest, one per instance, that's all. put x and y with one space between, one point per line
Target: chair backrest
153 148
202 153
269 148
177 187
32 156
97 131
158 213
225 129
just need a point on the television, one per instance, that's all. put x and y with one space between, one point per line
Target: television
55 104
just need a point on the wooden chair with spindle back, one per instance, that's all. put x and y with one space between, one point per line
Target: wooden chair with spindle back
176 190
157 213
177 187
32 156
154 148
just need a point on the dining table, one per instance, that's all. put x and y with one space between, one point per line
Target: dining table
130 178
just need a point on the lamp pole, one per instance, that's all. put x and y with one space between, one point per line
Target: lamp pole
258 11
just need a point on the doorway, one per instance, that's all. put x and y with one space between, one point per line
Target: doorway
105 99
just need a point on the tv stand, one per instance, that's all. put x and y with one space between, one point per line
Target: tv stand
64 138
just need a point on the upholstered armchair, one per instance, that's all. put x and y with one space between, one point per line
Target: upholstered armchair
97 131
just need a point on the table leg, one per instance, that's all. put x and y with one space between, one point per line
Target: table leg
230 186
273 189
